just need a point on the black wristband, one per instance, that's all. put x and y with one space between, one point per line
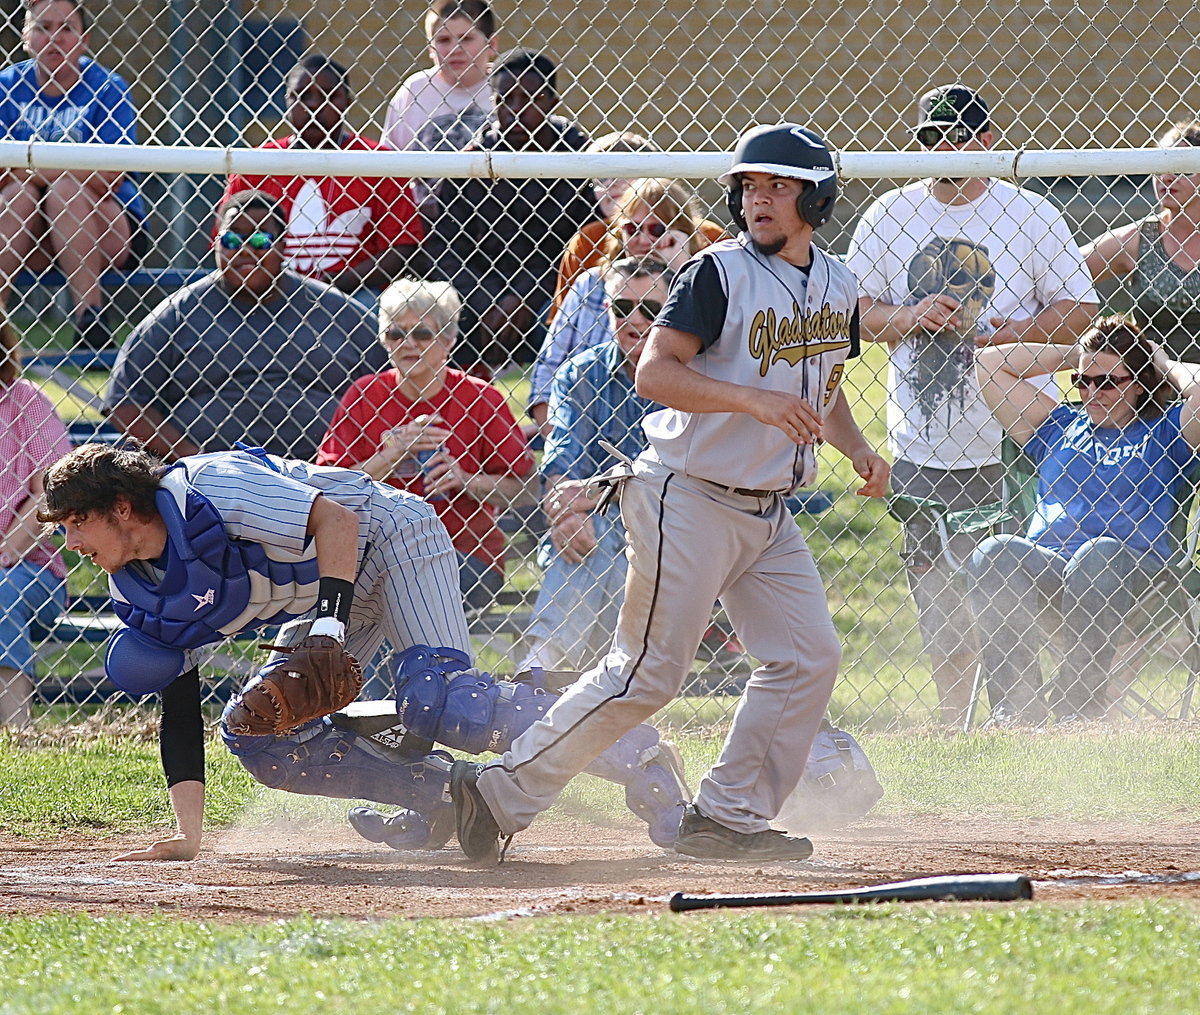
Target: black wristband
334 596
181 730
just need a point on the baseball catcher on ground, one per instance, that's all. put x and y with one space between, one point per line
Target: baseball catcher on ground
224 543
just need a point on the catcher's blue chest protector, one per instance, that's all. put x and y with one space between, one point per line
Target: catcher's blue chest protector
207 577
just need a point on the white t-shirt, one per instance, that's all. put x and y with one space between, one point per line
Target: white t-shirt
430 114
1008 254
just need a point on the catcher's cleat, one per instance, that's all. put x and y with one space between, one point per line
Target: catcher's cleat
478 832
702 837
404 830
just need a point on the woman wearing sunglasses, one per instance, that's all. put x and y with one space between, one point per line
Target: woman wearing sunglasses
1112 474
655 220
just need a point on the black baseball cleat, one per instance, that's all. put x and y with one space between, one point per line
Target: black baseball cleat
478 833
704 838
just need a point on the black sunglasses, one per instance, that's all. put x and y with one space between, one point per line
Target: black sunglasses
655 229
931 137
422 336
624 308
257 240
1101 382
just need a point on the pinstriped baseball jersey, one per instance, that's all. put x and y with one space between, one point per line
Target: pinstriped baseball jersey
781 327
406 585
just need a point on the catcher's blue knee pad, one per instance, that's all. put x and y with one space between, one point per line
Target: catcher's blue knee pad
241 745
439 697
652 773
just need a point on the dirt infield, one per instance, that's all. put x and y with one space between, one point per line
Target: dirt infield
276 871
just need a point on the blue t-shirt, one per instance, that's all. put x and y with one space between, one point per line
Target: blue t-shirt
98 109
1101 481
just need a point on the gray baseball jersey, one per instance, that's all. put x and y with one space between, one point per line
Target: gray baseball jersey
787 328
696 535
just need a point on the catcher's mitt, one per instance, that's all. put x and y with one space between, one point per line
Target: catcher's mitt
318 677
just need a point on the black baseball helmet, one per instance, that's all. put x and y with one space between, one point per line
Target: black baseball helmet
785 149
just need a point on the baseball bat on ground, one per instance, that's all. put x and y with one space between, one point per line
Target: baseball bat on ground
960 887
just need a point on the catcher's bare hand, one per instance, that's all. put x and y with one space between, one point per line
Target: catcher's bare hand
318 677
178 847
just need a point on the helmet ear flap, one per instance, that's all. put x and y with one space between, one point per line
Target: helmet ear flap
733 201
816 201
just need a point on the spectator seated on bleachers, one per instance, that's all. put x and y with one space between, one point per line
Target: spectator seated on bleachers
354 232
251 353
431 430
655 220
83 222
499 241
1112 475
32 575
592 399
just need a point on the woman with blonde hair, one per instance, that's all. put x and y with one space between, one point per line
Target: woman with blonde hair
655 220
32 573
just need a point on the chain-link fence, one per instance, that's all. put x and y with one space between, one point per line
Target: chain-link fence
177 308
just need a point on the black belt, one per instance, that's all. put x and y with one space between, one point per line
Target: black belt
741 491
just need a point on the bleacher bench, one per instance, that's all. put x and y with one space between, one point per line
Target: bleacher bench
49 365
139 278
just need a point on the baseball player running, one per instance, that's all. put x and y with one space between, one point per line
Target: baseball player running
228 542
748 356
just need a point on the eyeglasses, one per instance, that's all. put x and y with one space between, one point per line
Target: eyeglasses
257 240
421 336
1101 382
650 309
931 137
655 229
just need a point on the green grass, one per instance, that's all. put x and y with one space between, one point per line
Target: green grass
109 784
884 960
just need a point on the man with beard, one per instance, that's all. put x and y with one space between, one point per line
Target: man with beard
251 353
747 355
946 265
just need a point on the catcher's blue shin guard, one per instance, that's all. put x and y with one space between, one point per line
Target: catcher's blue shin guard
323 758
440 698
652 773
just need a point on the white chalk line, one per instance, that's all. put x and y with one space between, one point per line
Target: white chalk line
27 876
1070 877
